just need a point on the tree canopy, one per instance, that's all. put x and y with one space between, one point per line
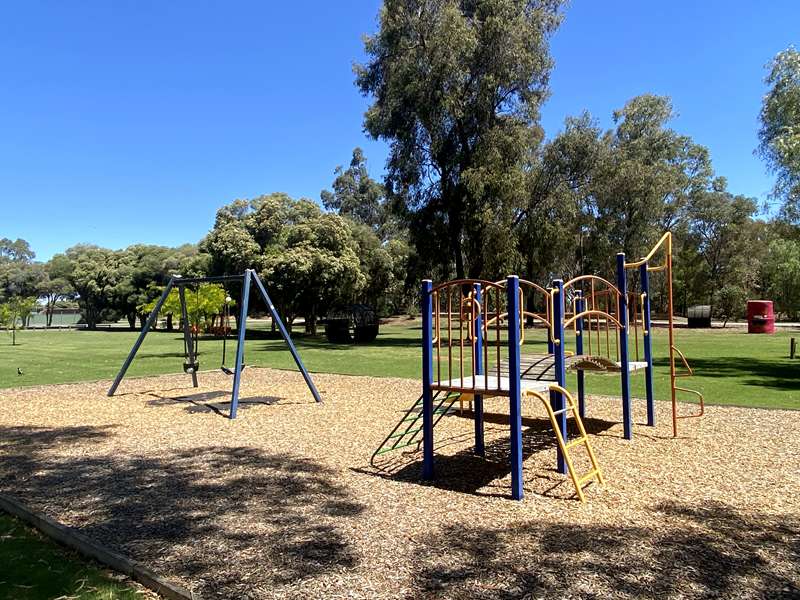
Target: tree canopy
456 90
780 129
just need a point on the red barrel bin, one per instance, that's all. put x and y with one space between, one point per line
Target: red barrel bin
760 316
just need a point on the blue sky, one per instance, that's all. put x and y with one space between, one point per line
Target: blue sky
132 121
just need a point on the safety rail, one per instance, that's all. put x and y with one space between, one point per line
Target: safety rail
645 267
476 303
689 373
528 290
597 302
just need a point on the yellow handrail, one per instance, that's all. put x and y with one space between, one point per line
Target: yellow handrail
611 287
667 237
586 313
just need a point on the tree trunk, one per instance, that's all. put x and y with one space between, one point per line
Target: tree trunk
311 321
131 320
450 200
169 322
143 320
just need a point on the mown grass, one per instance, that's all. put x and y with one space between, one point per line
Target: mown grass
731 367
34 568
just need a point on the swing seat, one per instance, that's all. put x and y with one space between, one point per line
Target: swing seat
189 367
229 371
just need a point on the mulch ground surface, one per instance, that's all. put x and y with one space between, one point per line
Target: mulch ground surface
284 503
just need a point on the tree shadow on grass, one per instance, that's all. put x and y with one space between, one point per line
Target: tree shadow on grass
226 519
697 552
776 373
320 342
466 472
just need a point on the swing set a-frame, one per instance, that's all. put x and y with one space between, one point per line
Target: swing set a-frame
191 365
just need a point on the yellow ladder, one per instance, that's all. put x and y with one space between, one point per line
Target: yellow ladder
582 439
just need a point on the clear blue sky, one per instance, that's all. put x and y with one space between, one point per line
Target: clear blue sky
133 121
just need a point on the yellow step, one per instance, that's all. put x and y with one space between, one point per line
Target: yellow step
588 477
576 441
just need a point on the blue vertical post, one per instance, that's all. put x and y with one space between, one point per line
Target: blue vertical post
625 373
276 318
648 345
147 326
427 379
477 348
514 386
579 308
557 400
242 327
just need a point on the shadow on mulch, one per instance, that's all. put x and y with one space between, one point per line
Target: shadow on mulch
698 552
224 518
468 473
199 403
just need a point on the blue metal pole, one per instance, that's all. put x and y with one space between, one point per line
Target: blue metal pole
514 386
579 308
285 334
480 448
557 401
648 345
147 326
426 302
242 325
625 373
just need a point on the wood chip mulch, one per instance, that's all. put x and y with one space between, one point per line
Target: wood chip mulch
283 501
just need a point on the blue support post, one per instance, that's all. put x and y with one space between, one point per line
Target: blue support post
426 302
477 348
285 334
147 326
557 401
648 345
625 373
242 327
514 386
579 308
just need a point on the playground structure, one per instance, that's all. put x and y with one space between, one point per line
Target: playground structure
465 357
190 340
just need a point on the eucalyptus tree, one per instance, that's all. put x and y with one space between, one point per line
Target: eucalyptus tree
719 231
456 88
356 195
780 129
645 182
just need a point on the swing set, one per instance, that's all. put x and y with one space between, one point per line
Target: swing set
191 332
223 330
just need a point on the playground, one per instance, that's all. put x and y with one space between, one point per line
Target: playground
236 480
283 501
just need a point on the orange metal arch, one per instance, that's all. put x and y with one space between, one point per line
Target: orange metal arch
587 313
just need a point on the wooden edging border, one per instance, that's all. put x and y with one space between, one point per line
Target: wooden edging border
86 546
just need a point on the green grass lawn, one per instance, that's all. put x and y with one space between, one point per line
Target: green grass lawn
731 367
34 568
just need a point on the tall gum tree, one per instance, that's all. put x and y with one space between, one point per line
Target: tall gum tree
780 130
456 89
